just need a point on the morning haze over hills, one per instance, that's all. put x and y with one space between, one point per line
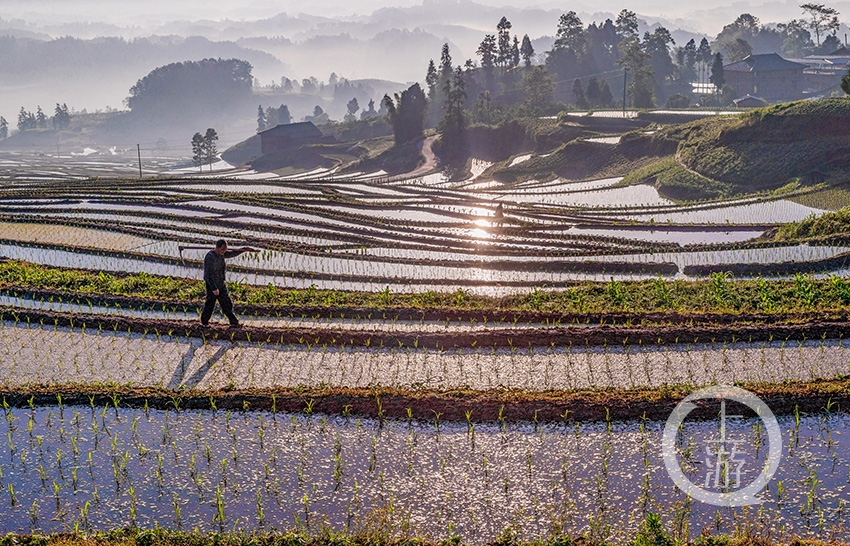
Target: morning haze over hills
391 41
327 64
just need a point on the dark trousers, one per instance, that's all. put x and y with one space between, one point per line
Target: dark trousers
224 301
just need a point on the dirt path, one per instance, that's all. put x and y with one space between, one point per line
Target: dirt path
446 339
431 161
423 404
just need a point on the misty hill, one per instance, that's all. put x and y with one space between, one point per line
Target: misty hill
93 73
185 91
393 43
174 101
391 54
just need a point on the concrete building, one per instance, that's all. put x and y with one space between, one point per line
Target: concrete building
824 72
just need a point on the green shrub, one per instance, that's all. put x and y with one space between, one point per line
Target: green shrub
652 533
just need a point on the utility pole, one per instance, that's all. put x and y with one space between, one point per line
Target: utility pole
139 151
625 72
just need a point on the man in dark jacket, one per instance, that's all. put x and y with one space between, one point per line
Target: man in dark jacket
214 269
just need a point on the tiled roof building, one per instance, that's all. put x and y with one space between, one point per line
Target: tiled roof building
291 135
768 76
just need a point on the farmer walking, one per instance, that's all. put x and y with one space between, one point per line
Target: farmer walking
214 279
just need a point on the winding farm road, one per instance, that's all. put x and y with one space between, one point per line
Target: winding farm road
431 161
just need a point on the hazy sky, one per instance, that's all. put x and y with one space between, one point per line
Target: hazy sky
697 15
130 12
348 46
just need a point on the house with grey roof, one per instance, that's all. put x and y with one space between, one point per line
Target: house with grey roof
291 135
824 72
768 76
749 101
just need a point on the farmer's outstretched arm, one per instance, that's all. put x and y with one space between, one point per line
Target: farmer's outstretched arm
233 252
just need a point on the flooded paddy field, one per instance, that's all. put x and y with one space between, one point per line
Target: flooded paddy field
113 464
332 233
100 467
35 354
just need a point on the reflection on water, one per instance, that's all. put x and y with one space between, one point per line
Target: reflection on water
483 229
765 212
682 238
105 467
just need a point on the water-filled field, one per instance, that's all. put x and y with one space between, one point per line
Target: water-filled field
104 467
107 466
362 233
36 354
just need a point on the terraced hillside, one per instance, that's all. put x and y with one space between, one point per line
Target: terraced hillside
491 355
765 149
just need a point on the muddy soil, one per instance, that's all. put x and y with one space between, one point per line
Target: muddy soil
814 397
520 337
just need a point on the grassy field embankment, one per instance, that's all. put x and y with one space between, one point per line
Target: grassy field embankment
561 152
765 149
826 225
378 529
800 298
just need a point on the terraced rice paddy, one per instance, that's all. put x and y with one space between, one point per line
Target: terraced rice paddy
332 232
251 466
172 361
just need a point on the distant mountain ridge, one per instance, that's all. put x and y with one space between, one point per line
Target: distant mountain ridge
392 43
93 74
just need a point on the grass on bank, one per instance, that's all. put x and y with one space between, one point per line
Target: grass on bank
674 181
720 293
380 530
826 225
766 148
715 157
828 198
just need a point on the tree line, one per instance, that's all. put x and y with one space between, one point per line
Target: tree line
587 66
28 120
270 116
503 82
586 61
746 35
